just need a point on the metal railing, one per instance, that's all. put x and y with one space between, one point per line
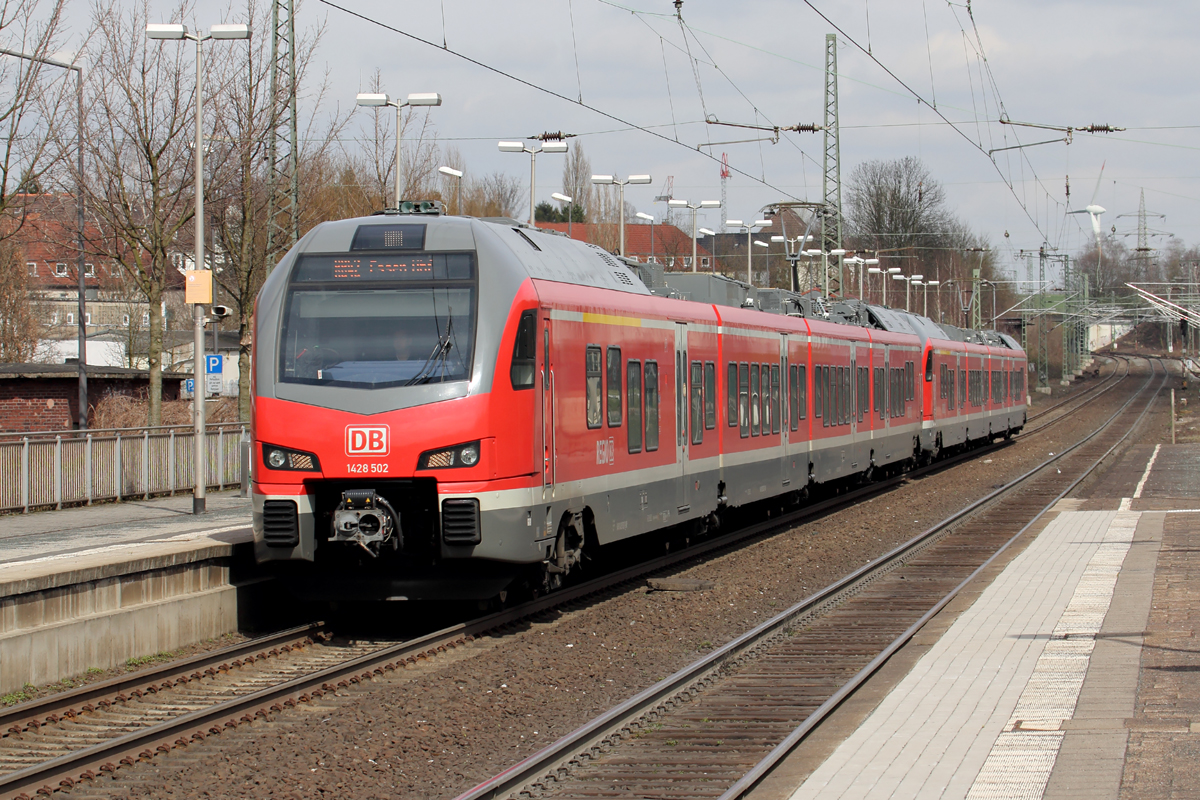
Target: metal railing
52 469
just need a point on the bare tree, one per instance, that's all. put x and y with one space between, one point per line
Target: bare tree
237 200
19 326
29 106
138 141
577 178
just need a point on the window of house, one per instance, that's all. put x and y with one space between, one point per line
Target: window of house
594 386
32 267
70 318
687 261
651 392
710 395
704 262
60 270
145 318
87 318
125 320
633 383
670 261
614 387
89 270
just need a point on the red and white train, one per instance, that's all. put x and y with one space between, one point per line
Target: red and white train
443 404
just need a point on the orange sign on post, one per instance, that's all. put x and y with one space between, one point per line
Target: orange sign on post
198 288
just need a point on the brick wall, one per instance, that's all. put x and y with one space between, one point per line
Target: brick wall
36 405
48 404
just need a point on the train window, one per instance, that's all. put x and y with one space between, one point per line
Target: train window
697 404
942 381
803 392
839 397
651 391
845 396
929 367
793 397
879 392
755 401
765 399
710 395
731 392
819 394
614 387
864 391
784 396
633 385
910 382
962 388
774 398
744 399
680 398
828 405
524 358
950 393
593 386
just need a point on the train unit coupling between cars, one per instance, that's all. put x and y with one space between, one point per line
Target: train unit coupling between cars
443 405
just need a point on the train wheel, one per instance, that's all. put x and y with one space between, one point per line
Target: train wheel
568 552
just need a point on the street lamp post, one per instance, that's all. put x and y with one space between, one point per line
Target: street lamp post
179 32
749 226
562 198
377 99
906 285
892 271
79 221
908 290
613 180
649 218
457 175
927 285
873 271
694 207
519 147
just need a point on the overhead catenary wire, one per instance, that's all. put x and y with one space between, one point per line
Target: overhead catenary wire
544 90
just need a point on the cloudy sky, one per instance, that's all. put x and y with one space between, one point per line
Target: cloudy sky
647 82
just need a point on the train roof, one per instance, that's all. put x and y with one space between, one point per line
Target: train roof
549 255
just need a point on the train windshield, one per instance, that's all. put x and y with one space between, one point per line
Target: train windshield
373 322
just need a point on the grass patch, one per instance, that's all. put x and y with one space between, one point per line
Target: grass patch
157 658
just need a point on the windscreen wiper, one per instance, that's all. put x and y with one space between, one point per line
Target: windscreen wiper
438 356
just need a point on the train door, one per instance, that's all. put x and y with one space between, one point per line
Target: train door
549 453
683 496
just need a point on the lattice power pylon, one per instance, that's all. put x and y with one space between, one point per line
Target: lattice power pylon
283 180
831 227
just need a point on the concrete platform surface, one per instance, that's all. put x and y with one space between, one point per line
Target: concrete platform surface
1075 674
52 535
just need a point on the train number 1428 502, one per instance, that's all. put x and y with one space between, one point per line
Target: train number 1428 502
365 468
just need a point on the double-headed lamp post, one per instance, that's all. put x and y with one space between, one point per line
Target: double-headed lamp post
378 99
457 174
702 204
546 147
873 271
927 284
612 180
892 272
562 198
749 226
178 32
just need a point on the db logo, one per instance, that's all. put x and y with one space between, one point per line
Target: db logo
367 440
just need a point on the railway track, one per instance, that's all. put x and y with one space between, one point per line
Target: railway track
98 729
717 727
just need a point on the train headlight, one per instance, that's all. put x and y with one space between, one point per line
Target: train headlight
285 459
460 455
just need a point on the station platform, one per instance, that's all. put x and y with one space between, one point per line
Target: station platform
90 587
1071 670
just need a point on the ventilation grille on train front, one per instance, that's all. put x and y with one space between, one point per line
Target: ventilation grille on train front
460 521
281 526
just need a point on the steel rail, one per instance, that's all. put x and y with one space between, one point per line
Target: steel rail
179 731
566 749
69 703
764 767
